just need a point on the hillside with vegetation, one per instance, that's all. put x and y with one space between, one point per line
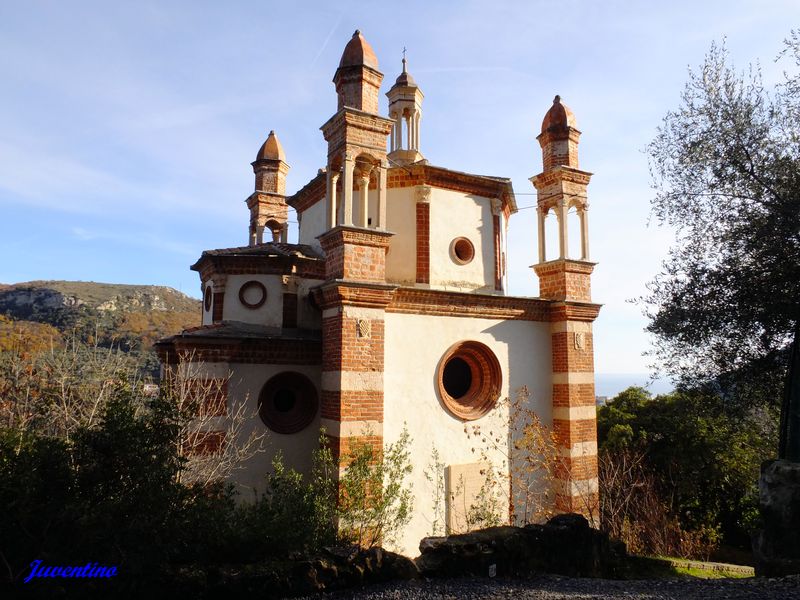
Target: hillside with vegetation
129 317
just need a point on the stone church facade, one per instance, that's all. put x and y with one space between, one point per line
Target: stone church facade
391 312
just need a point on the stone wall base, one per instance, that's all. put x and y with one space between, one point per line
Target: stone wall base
776 547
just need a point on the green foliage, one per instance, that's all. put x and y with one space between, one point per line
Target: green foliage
90 470
434 475
374 503
296 514
485 510
108 492
705 459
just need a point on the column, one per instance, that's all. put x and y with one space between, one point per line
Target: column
364 198
382 170
259 234
584 215
398 138
563 211
333 178
347 190
541 216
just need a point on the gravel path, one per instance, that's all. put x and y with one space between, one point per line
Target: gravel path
549 587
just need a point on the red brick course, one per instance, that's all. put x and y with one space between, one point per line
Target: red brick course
218 304
565 280
344 350
577 468
569 359
355 254
423 242
575 394
568 433
352 405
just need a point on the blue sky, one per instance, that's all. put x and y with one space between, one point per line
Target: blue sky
127 128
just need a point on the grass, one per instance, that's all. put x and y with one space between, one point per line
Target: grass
657 567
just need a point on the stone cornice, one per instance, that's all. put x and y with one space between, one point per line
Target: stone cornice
425 174
342 292
566 265
464 304
559 174
574 311
359 118
359 236
308 268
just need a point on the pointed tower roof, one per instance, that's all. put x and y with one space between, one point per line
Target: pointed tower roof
558 117
358 52
405 78
271 149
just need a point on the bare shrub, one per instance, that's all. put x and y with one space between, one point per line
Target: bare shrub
633 509
215 439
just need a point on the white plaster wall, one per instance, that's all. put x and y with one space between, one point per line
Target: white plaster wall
270 313
456 214
312 224
414 345
244 386
401 219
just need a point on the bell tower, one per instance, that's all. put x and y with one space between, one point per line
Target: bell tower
356 137
355 294
405 110
268 208
561 187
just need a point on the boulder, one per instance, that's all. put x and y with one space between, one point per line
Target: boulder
565 545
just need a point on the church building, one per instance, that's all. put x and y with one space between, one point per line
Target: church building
391 311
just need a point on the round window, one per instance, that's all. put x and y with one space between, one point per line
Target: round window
207 297
469 380
288 402
253 294
463 250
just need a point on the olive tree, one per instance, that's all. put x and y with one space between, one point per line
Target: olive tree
726 167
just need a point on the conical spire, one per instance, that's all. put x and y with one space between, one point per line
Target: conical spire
271 149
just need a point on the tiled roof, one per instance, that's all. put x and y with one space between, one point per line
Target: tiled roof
238 330
268 249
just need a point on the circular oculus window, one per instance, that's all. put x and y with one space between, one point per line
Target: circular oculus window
207 298
288 402
469 380
463 251
253 294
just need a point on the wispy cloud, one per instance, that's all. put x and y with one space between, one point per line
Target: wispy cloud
141 239
327 39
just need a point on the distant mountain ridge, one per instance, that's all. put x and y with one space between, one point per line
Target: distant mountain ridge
101 296
129 316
